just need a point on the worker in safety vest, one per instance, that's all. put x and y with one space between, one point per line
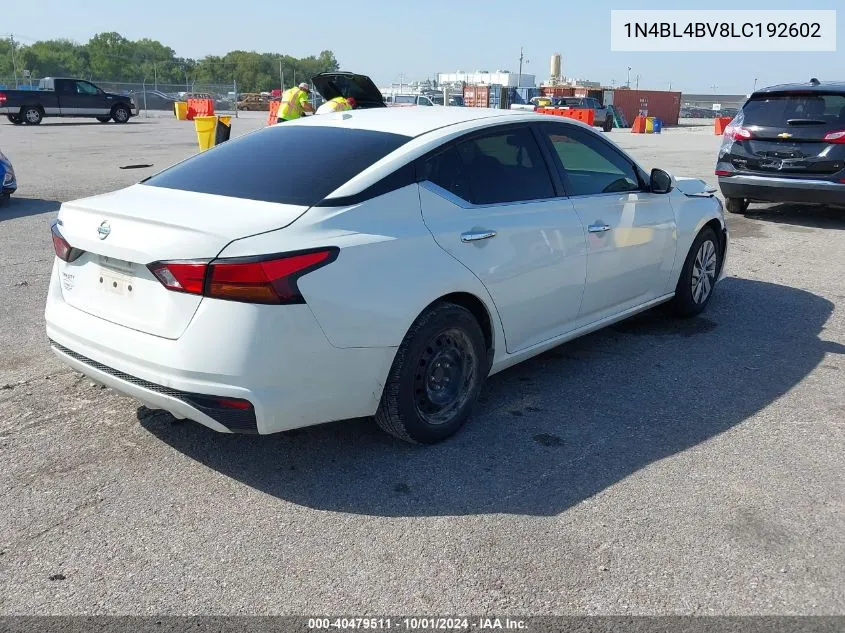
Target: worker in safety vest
294 103
338 104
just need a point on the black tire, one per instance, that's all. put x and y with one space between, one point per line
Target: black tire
736 205
436 376
4 198
104 119
31 115
15 119
121 114
608 124
692 296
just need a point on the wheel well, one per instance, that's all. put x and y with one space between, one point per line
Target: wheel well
37 106
722 235
477 309
121 104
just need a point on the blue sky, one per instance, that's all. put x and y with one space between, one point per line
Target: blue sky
418 38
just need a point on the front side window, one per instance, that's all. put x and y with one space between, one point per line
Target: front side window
497 168
285 164
84 88
588 166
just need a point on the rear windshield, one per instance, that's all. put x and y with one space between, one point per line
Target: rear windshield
778 110
286 164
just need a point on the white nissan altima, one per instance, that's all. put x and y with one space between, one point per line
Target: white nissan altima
379 262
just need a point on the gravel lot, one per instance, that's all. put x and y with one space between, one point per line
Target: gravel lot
656 467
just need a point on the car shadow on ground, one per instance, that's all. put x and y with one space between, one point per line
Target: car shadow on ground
554 430
23 207
800 215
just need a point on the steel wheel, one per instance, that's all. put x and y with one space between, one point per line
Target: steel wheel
32 116
445 375
704 271
121 114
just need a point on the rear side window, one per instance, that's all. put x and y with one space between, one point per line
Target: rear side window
505 166
777 110
290 165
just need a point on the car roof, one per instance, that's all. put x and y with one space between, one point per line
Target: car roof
810 86
413 122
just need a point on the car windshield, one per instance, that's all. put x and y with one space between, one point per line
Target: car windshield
285 164
779 110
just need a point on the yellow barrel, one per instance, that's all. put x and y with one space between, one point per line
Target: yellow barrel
649 125
206 127
181 108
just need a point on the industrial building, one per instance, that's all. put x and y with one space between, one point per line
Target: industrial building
504 78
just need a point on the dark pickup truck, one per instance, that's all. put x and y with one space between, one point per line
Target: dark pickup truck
65 98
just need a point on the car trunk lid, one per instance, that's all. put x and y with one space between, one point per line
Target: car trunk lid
122 232
344 84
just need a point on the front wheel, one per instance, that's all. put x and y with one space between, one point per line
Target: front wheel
736 205
121 114
436 376
15 119
698 276
608 124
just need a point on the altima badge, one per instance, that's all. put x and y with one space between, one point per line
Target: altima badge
104 230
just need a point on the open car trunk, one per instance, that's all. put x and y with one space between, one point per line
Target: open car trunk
345 84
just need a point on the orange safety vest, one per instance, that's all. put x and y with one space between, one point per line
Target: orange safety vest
289 107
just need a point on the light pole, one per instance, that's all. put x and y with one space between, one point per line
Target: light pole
638 82
629 77
519 77
755 85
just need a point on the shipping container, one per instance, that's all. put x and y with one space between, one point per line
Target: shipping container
498 98
661 104
476 96
563 91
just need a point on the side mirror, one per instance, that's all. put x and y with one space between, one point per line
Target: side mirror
661 181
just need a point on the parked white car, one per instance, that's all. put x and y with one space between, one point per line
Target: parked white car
404 255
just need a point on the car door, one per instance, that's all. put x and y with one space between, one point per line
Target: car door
491 202
84 99
631 233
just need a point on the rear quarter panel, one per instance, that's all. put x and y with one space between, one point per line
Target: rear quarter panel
388 271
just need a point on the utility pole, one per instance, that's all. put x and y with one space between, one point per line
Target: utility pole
638 82
755 85
14 59
519 76
629 77
155 77
281 76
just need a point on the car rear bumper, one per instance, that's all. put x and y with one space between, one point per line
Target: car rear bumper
771 189
275 357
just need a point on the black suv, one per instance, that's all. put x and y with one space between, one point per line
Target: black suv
786 144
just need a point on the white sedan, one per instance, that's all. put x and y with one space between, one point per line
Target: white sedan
379 262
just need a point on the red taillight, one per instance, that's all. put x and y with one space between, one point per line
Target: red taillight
269 280
724 172
737 133
2 98
64 250
835 137
181 276
233 403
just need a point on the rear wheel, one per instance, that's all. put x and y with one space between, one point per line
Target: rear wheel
15 118
608 124
436 376
31 115
120 114
736 205
104 119
698 276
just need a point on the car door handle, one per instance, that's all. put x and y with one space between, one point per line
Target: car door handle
474 236
598 228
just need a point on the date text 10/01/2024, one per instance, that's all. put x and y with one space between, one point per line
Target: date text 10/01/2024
723 29
417 624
